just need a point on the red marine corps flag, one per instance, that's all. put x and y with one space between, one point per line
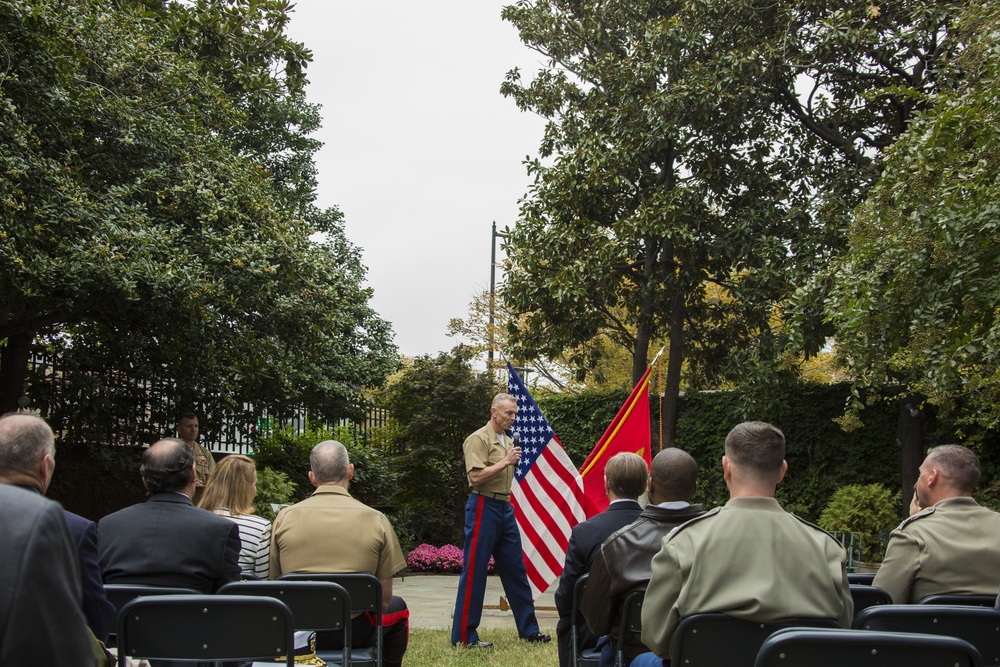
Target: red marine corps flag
628 432
547 494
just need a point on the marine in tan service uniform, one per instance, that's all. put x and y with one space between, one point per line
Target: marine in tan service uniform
204 462
749 559
953 545
332 532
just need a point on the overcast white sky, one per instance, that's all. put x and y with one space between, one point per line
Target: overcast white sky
421 152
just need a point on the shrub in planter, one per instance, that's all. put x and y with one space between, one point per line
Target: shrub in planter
869 509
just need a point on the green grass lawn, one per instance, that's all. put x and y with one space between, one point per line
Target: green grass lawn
432 648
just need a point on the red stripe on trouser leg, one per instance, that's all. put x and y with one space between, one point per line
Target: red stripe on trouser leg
471 568
402 616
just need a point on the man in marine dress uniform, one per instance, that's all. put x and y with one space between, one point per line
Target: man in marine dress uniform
490 529
625 478
749 559
622 564
332 532
953 545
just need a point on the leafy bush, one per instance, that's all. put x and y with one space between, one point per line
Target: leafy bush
434 404
273 487
869 509
285 450
443 560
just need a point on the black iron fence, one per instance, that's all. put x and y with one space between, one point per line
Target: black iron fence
127 411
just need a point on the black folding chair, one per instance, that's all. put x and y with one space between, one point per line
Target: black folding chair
710 640
630 623
365 593
205 628
315 605
799 647
587 657
865 578
868 596
977 625
965 600
121 594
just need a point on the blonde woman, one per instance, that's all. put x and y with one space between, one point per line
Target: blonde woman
230 492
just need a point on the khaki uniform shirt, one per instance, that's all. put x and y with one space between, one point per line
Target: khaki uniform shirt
204 462
332 532
484 448
749 559
952 547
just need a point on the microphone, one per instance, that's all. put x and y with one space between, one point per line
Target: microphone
516 438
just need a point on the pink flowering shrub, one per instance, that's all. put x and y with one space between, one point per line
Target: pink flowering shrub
438 560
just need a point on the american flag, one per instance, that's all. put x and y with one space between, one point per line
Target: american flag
547 494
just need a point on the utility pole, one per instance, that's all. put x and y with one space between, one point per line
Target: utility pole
493 286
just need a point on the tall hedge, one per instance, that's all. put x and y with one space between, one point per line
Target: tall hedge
821 455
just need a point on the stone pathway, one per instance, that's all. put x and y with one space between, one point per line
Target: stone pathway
431 599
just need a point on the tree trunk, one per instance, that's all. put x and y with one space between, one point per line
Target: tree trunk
911 444
13 369
675 358
640 352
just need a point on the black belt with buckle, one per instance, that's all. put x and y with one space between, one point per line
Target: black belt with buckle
495 496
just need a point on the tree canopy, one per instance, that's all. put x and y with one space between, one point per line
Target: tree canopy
157 211
914 300
701 160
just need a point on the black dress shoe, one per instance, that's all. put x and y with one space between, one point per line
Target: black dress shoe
537 638
476 645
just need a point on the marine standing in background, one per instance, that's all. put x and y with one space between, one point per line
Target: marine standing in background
204 463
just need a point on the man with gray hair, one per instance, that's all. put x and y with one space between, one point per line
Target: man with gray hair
167 541
27 460
309 536
952 546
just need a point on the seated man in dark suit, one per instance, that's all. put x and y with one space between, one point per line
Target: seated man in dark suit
624 481
27 459
41 622
622 563
167 541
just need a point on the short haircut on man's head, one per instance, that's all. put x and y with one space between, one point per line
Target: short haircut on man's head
625 475
329 462
959 464
757 446
189 414
166 465
500 398
24 441
675 474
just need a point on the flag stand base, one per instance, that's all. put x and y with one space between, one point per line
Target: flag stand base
503 606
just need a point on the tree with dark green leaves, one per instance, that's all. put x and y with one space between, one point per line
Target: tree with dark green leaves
700 162
157 217
914 300
434 403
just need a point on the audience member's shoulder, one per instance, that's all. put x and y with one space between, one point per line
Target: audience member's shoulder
922 514
811 525
21 499
76 523
702 520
